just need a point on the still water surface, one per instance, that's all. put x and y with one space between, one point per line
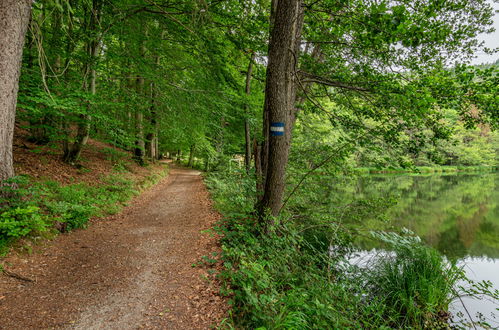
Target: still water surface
456 214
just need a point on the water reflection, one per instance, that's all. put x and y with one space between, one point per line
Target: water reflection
456 214
479 269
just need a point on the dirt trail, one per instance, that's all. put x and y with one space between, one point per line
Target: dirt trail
132 270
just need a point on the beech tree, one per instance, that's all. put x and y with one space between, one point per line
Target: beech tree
383 61
280 95
14 19
73 150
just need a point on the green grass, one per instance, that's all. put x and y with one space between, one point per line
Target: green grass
414 286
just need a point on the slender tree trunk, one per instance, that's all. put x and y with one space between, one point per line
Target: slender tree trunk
191 155
14 20
280 97
30 45
140 147
72 153
262 148
152 136
139 150
149 146
257 153
247 132
139 133
156 145
179 152
150 149
207 164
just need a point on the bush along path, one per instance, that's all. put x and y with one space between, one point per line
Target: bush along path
150 266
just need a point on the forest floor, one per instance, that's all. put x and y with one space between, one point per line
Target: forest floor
140 268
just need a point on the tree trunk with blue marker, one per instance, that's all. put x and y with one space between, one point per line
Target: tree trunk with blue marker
280 96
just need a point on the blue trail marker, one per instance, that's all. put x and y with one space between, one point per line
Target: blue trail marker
277 129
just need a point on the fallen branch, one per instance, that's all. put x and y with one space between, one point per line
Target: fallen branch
17 276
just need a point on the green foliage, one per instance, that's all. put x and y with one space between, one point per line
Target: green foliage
19 222
461 147
114 155
75 204
297 274
183 71
415 285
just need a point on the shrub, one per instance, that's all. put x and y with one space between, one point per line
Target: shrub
19 222
74 215
415 284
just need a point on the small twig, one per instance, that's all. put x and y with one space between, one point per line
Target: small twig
17 276
467 312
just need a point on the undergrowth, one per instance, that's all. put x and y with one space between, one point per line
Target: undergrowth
31 208
296 274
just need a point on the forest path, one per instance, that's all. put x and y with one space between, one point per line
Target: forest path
131 270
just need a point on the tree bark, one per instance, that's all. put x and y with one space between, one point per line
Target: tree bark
257 154
152 137
191 155
72 152
139 130
207 164
140 150
280 97
247 132
14 19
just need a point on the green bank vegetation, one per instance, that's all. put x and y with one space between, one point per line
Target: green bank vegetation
299 273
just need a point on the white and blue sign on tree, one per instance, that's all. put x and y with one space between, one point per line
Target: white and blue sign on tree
277 129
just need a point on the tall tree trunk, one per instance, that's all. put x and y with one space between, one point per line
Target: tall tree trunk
262 148
257 154
247 132
280 97
140 147
139 128
179 155
152 136
14 19
149 146
72 153
139 151
207 164
191 155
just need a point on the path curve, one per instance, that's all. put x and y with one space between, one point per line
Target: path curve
129 271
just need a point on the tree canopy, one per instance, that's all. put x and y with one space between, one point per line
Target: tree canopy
384 81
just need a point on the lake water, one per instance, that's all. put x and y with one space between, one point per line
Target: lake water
456 214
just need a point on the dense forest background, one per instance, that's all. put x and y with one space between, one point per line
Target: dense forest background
187 79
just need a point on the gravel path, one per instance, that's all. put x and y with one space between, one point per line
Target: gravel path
129 271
